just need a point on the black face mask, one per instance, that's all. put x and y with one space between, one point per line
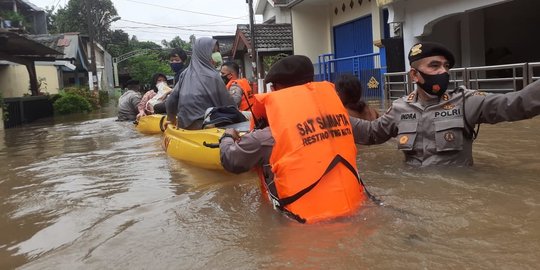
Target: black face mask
176 67
434 84
225 79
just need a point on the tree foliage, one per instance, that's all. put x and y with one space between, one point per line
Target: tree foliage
142 67
73 18
176 42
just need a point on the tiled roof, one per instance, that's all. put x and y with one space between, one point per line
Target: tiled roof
269 36
50 41
67 43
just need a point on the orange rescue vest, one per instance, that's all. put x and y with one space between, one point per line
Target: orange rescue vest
314 155
247 94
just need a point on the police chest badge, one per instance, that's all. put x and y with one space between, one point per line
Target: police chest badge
449 136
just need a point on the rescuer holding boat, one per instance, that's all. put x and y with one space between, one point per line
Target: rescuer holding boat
305 153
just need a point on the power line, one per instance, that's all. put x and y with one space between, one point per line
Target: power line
183 10
181 30
175 27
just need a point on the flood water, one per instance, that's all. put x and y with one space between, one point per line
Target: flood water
89 193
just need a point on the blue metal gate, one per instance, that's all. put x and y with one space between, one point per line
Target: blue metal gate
353 38
369 70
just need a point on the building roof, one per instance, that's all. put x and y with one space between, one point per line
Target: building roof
18 46
69 44
27 5
268 37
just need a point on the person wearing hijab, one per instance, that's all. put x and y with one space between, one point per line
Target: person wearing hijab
199 87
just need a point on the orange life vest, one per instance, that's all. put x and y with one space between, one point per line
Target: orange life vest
247 94
314 155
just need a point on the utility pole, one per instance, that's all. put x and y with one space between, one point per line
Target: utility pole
254 53
93 67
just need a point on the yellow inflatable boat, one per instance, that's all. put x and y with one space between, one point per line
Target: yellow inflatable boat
151 124
196 147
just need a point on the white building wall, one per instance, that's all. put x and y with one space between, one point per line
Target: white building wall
313 24
311 31
15 81
420 16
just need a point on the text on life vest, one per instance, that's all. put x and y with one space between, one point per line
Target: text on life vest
320 128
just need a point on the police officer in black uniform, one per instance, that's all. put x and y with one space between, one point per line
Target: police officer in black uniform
435 125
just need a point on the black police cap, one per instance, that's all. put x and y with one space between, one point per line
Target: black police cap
291 70
426 49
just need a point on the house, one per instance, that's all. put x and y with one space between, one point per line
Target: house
73 67
273 12
104 65
18 77
479 32
22 16
70 68
270 40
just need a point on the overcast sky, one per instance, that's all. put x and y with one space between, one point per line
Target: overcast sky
155 20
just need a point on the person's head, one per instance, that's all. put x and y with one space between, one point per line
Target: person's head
430 63
290 71
202 52
177 58
229 71
132 85
349 90
156 79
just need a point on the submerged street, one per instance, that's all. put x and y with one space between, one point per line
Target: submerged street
95 193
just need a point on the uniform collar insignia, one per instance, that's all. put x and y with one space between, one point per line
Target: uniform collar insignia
445 97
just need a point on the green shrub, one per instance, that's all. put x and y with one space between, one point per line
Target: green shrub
71 103
103 98
91 96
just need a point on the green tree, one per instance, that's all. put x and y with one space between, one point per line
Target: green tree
119 43
142 67
72 18
176 42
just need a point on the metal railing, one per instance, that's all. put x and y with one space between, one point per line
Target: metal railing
22 110
534 71
495 79
368 68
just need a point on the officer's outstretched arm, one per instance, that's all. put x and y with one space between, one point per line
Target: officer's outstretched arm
512 106
374 132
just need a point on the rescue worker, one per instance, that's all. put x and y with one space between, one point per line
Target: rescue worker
306 156
239 88
436 126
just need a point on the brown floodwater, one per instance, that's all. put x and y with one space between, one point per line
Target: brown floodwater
86 192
